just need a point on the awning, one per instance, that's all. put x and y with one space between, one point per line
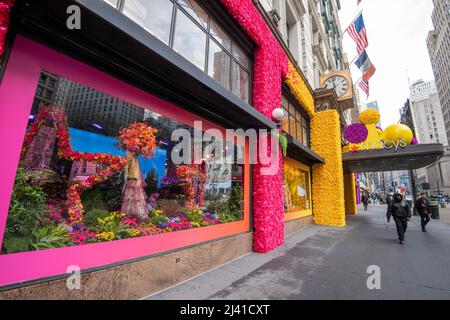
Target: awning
301 153
408 158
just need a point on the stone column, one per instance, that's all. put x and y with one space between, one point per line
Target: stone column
328 178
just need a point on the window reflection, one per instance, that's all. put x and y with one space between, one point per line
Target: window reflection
190 41
295 123
239 82
155 16
195 35
219 65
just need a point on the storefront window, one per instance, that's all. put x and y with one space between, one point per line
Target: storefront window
296 188
155 16
295 123
95 168
187 28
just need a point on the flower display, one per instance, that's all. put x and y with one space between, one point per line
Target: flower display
139 138
369 116
414 141
270 65
350 194
5 12
356 133
328 178
300 90
54 115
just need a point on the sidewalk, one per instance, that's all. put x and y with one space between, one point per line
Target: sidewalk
331 263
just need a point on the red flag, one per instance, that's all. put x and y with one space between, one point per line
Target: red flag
364 85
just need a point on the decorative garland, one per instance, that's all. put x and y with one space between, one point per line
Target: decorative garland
59 121
5 12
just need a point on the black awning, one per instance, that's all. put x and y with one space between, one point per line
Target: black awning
301 153
408 158
111 42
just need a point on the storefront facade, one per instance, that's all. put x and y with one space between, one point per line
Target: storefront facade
88 145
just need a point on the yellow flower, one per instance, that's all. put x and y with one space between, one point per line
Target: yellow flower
157 212
106 236
300 90
369 116
195 224
133 233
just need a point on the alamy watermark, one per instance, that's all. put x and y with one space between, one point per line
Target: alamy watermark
374 280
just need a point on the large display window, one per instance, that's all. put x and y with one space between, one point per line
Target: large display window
88 178
296 190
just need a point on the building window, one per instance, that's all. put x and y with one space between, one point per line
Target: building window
188 29
295 122
296 189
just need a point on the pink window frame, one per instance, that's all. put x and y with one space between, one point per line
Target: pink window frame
28 58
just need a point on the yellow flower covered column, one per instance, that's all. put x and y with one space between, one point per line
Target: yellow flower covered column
350 193
328 178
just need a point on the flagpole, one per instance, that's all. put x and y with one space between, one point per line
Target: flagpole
357 82
354 59
351 23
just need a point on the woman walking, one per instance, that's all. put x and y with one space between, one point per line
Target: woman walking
401 213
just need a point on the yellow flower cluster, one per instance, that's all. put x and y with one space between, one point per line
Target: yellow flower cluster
112 217
350 194
328 178
132 233
300 90
157 213
106 236
369 116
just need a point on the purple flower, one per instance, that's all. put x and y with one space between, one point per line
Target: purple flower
414 141
356 133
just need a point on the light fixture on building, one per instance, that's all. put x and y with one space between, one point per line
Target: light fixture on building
278 115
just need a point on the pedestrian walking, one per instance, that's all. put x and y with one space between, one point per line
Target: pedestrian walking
365 201
423 208
400 211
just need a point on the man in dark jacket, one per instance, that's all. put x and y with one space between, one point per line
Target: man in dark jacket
423 208
365 201
401 212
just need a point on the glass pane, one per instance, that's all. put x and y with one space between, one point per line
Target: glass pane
240 82
219 65
101 169
286 121
240 56
296 187
195 11
299 132
112 2
292 127
285 103
190 41
292 110
306 137
155 16
220 35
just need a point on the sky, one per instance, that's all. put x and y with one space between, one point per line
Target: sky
397 32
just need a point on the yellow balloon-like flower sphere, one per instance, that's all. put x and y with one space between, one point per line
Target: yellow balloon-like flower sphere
369 116
397 131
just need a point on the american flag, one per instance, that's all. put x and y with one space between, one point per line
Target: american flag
358 33
364 85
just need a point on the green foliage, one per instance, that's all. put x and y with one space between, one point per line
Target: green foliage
51 236
93 199
196 218
113 223
152 182
282 138
235 199
26 207
92 216
14 244
157 219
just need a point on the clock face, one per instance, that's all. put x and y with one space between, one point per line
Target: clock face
339 83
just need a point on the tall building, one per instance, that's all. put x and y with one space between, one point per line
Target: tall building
439 49
427 113
311 30
429 126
